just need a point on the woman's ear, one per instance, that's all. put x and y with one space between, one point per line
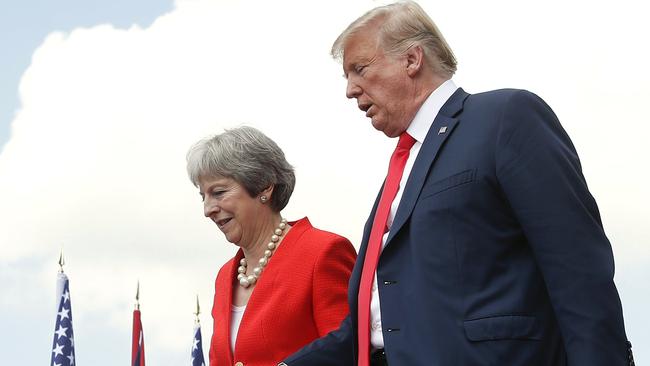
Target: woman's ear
266 194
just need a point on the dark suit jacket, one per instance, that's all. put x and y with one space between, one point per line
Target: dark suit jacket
497 255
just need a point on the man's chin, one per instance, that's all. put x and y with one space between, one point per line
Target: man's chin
378 125
389 132
388 129
383 127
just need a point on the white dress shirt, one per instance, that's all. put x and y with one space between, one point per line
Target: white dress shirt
418 129
237 313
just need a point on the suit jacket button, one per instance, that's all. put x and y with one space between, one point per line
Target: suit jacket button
239 363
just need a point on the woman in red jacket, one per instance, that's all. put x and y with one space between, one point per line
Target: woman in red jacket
287 284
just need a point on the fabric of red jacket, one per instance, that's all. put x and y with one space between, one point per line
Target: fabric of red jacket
300 296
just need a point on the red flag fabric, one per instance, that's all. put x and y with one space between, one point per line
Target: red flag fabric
137 348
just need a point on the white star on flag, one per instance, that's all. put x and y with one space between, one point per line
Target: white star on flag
63 343
197 349
64 313
61 332
58 350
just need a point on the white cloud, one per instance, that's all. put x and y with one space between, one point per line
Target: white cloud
96 157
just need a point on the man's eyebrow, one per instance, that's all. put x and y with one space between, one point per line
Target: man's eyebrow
350 66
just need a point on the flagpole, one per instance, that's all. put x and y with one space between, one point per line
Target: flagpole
137 341
198 310
137 297
61 260
61 279
197 342
63 343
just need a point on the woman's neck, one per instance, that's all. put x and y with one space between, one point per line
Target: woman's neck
255 250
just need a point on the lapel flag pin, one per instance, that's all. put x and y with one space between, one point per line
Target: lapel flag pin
442 130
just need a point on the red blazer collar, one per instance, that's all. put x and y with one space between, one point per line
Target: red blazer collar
226 283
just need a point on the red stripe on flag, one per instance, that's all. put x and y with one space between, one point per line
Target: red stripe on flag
137 341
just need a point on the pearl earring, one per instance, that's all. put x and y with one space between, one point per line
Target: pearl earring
263 199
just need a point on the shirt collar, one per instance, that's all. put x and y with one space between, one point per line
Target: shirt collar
423 120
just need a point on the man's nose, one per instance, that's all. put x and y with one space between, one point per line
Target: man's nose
353 90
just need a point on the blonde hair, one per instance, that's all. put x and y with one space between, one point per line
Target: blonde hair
401 26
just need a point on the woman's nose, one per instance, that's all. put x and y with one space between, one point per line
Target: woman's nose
210 207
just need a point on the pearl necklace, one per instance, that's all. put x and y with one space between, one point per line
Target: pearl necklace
246 281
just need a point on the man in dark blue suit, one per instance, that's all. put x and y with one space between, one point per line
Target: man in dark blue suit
495 253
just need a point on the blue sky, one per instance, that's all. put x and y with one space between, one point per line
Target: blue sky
25 23
96 163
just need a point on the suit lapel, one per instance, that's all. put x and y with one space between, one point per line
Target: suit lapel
223 308
432 144
442 127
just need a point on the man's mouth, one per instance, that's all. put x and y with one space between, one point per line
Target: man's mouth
223 222
367 107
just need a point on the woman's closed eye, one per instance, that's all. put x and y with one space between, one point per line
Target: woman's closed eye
217 193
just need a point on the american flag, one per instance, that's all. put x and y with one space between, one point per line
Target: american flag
197 347
63 344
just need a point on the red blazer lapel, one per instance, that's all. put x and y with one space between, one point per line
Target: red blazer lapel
221 312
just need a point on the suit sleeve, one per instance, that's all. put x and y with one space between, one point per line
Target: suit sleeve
540 174
335 349
330 284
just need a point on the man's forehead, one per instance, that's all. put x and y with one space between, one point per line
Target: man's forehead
359 48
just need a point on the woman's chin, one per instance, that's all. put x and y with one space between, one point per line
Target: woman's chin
232 239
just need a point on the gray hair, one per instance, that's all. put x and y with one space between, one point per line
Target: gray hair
403 25
247 156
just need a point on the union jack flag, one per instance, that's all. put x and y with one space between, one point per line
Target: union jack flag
197 347
137 345
63 344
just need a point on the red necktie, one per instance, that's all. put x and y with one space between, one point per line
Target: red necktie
391 186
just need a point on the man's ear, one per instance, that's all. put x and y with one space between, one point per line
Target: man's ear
414 60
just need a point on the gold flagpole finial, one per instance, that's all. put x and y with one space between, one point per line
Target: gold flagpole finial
198 309
61 261
137 297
